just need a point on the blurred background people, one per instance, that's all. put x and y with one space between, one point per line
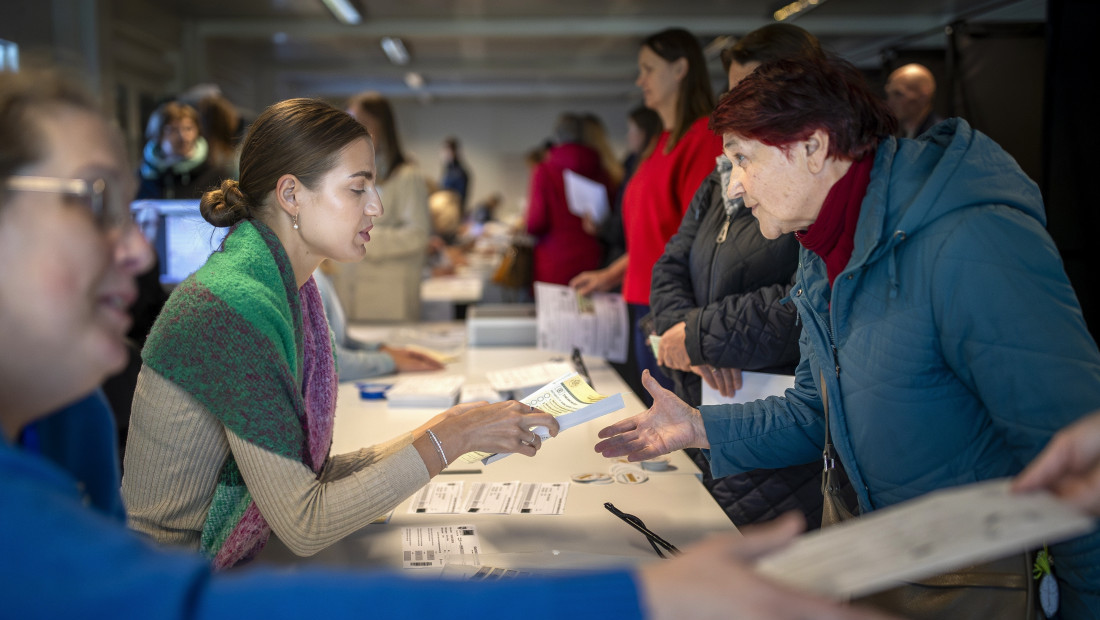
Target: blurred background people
359 359
175 162
595 137
385 286
562 247
643 127
910 93
221 126
455 176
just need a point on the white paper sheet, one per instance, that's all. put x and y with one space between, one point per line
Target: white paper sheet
932 534
437 498
597 325
492 497
426 547
541 498
754 386
585 197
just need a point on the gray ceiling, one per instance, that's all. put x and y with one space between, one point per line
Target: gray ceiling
516 48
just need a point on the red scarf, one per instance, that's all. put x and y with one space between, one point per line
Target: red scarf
832 235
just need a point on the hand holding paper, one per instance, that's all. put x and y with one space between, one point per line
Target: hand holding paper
570 400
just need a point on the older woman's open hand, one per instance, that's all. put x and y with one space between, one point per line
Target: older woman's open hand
670 424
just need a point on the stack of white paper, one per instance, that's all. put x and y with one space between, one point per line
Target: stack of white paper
430 391
524 380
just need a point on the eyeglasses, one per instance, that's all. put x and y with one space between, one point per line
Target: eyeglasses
655 541
110 211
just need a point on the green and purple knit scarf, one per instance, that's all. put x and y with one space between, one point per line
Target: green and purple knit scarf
256 352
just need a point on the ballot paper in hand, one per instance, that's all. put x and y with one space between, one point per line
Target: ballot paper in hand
585 197
930 535
569 399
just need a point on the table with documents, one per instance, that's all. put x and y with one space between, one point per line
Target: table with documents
672 503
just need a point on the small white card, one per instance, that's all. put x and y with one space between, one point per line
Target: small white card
541 498
492 497
437 498
425 547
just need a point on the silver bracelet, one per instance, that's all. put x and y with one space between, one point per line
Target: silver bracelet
438 448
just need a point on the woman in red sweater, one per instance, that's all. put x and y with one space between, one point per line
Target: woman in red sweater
563 249
672 74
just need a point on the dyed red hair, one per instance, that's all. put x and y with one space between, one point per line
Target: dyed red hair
785 101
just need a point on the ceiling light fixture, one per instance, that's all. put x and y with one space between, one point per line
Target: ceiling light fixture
794 8
395 50
344 11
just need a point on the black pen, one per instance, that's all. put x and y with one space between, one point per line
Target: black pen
635 523
460 471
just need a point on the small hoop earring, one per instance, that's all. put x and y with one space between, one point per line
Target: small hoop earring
294 219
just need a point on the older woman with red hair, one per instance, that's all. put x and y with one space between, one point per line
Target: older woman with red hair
936 313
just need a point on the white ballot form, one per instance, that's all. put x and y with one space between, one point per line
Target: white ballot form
932 534
492 497
541 498
585 197
436 498
426 547
597 325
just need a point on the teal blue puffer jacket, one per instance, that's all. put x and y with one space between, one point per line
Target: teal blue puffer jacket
952 344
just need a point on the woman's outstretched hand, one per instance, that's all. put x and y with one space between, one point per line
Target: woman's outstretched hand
670 424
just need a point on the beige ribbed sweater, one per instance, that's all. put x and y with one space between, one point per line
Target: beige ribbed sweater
176 448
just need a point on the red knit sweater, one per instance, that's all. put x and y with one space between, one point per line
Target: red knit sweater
832 236
656 198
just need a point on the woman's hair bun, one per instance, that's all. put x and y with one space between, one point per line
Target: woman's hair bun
226 205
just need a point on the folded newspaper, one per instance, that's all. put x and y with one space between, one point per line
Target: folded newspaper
569 399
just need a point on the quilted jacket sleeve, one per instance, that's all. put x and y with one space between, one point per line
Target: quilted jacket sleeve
751 331
775 432
671 295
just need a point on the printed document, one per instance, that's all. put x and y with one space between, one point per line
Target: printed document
597 325
425 547
926 536
436 498
569 399
541 498
492 497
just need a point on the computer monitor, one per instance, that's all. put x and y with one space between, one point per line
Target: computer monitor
182 238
